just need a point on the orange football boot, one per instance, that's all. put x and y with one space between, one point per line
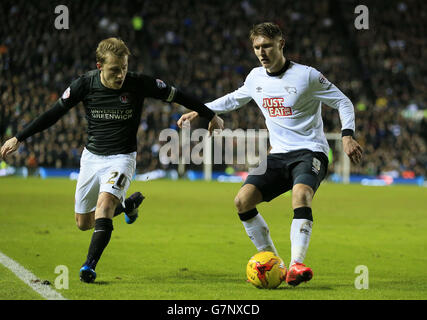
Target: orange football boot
298 273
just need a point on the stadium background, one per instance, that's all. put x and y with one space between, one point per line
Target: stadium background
202 47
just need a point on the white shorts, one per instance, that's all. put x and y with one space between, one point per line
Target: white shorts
98 174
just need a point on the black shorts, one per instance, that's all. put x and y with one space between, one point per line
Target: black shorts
284 170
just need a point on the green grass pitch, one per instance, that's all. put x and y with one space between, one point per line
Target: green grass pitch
189 244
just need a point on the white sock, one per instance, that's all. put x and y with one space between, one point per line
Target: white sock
300 238
258 232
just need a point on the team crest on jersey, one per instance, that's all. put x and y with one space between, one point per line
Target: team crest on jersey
276 108
66 93
258 89
124 98
160 84
291 90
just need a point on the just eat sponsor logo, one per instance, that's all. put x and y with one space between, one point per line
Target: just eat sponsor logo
276 108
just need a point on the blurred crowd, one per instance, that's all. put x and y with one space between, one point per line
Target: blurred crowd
202 47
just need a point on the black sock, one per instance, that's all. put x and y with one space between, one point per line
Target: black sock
303 213
100 238
248 215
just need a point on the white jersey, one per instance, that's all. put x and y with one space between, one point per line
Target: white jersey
291 104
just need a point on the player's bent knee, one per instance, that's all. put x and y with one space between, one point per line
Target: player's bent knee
238 203
84 225
247 198
85 221
302 195
243 203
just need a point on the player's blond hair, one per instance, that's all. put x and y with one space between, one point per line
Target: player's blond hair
265 29
115 46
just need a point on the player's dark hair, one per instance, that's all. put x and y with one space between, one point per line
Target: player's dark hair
113 45
266 29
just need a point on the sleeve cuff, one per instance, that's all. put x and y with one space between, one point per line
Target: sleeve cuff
19 137
347 132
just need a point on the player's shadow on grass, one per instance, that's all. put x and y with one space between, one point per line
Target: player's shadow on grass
101 283
310 288
219 277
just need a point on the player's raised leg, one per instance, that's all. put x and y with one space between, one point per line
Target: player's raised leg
257 229
300 234
85 221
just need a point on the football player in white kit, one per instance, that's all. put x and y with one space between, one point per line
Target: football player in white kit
289 96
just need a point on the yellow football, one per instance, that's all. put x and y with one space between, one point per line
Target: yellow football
266 270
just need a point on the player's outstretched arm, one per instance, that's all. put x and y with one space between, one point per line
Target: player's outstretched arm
9 147
42 122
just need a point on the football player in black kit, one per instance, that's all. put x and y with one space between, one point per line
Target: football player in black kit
113 98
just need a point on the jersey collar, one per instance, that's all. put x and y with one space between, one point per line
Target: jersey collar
283 70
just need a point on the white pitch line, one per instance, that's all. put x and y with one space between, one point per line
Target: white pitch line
30 279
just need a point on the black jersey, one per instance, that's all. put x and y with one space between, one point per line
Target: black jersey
113 116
